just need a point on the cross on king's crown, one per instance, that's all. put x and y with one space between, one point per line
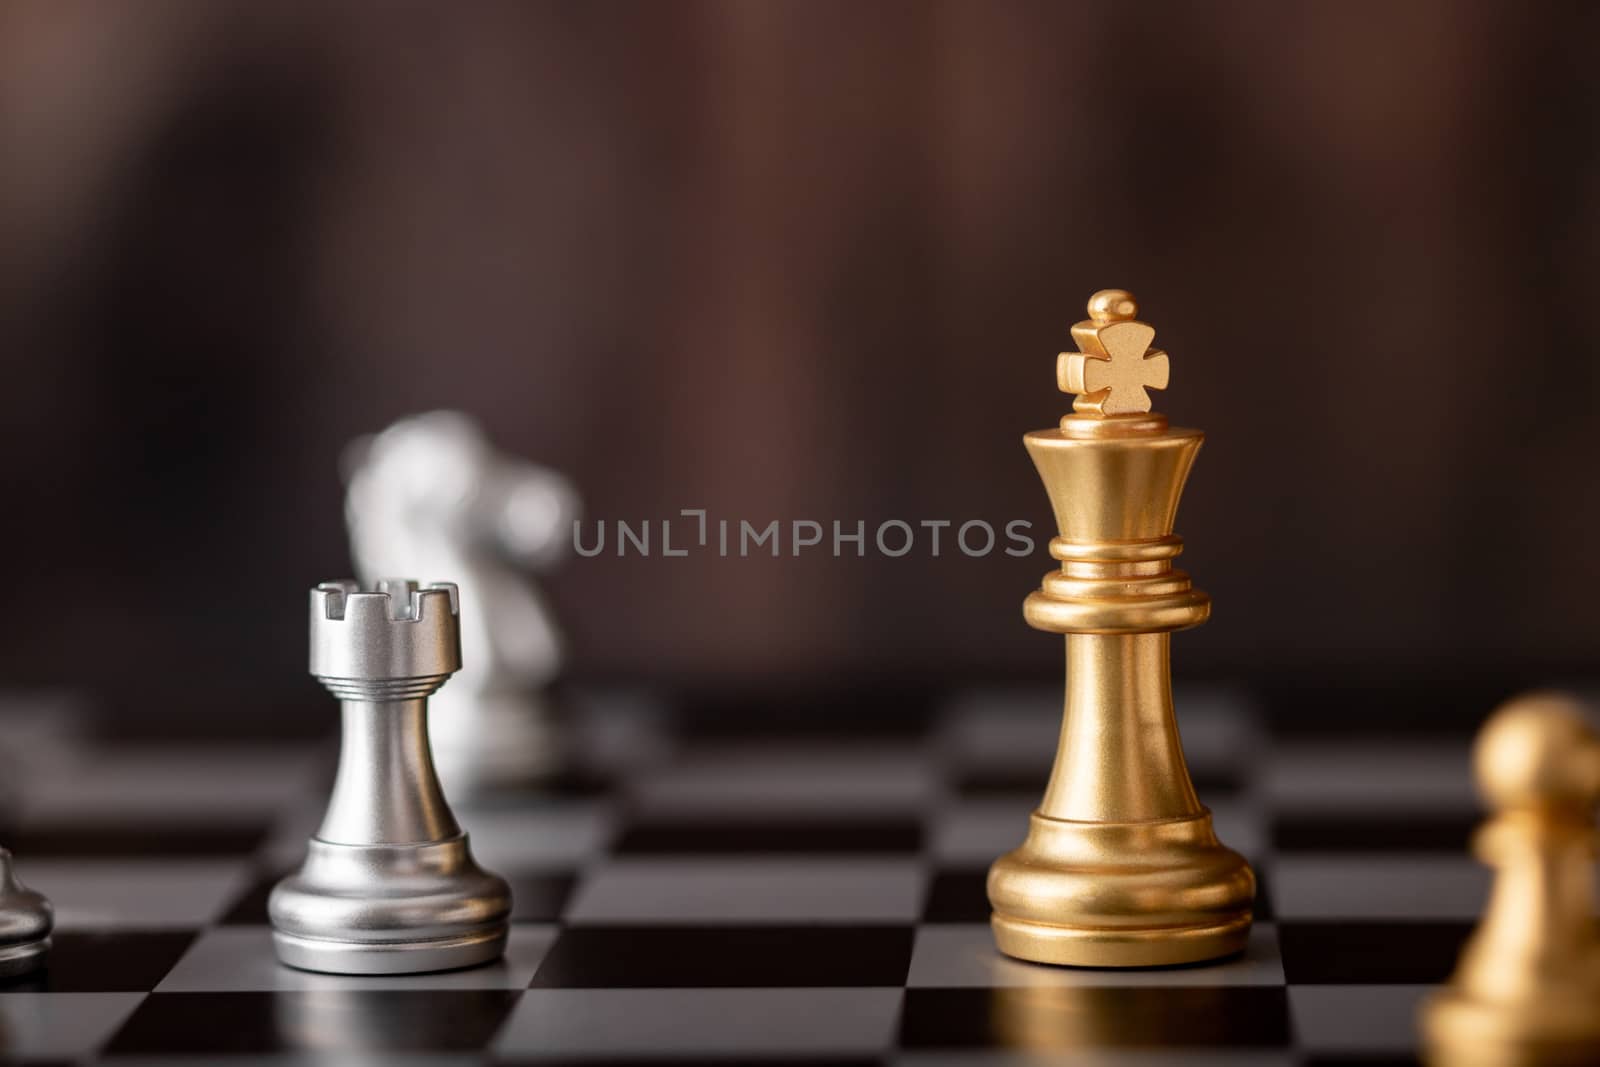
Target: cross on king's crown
1115 365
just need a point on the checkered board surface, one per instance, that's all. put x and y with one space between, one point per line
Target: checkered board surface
694 895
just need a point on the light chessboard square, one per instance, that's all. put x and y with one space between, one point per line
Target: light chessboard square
60 1026
241 959
553 836
1367 1020
137 894
1360 776
557 1023
822 889
793 779
1350 886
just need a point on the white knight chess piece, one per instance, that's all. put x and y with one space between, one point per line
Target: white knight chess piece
429 495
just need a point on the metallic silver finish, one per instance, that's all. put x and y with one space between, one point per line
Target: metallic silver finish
430 495
25 922
389 885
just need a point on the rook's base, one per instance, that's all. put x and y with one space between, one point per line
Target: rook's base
389 909
366 957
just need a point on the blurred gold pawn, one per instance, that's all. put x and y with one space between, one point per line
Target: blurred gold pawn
1527 989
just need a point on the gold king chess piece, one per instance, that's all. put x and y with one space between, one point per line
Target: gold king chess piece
1121 866
1527 989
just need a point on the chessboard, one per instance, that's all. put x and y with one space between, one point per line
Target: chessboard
749 884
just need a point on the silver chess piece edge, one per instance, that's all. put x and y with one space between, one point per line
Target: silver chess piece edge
26 920
389 885
431 494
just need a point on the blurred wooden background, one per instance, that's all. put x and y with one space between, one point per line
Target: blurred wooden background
801 261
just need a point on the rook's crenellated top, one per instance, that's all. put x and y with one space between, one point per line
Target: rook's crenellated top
398 599
398 641
389 885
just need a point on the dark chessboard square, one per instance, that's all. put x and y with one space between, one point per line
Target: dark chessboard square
614 957
1381 705
857 711
1090 1018
985 782
1030 781
1216 783
118 840
104 962
696 1060
1262 911
323 1021
1378 1059
1369 953
1410 833
250 909
743 837
569 783
958 897
539 897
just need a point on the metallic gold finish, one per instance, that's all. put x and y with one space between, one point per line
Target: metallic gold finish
1115 363
1527 988
1065 1024
1121 867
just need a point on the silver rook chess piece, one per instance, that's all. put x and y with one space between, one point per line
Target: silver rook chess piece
430 495
25 922
389 885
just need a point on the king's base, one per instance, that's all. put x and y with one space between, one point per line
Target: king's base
20 959
1077 946
1552 1031
366 957
1133 894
